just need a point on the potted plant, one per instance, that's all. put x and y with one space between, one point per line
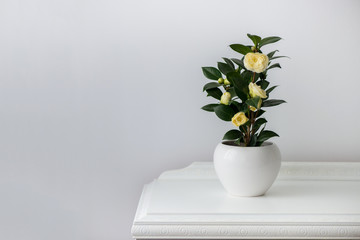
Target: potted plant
245 162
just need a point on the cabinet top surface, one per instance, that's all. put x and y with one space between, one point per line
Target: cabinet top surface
316 193
301 189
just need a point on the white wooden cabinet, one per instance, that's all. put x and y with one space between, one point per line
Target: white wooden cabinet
307 201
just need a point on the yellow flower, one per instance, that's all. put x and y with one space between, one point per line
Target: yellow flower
256 90
258 106
225 98
239 119
256 62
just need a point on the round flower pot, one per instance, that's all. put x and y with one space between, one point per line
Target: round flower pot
247 171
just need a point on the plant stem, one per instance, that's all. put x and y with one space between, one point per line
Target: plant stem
248 136
253 121
246 132
250 129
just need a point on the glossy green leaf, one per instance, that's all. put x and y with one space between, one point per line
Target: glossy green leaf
211 73
271 89
248 76
224 68
279 57
265 135
229 62
272 102
276 65
232 135
263 84
255 39
238 62
231 90
209 107
253 141
244 107
215 93
269 40
211 85
253 102
240 48
244 126
260 112
240 86
236 106
271 54
262 75
239 141
258 123
224 112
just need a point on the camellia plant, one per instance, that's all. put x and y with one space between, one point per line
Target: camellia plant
246 91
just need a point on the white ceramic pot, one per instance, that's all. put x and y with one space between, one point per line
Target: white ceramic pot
247 171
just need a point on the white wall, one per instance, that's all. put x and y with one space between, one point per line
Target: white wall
98 98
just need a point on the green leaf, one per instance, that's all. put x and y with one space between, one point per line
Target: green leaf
258 123
248 76
211 85
224 68
255 39
271 54
240 86
211 73
271 89
243 128
276 65
279 57
237 107
215 93
229 62
240 48
262 75
239 141
262 129
224 112
231 90
232 134
209 107
238 62
253 102
269 40
244 108
272 102
263 84
260 112
265 135
253 141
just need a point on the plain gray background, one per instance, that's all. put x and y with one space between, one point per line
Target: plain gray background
98 98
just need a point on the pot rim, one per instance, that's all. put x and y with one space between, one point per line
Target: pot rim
265 144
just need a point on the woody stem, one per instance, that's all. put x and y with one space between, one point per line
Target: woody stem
253 121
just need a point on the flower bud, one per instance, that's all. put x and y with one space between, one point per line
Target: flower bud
220 80
256 90
253 48
258 106
225 98
226 82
